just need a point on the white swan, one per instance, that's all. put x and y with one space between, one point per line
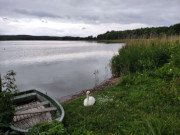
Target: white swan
89 100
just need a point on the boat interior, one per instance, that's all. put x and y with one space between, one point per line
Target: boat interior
31 109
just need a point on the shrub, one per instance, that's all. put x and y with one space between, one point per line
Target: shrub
169 93
175 55
51 128
8 83
167 72
6 110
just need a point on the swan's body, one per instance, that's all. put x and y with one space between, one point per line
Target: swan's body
89 100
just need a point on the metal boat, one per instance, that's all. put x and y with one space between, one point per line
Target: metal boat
34 107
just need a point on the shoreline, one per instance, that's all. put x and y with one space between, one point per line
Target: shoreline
105 84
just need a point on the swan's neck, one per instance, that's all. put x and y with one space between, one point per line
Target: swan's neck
87 97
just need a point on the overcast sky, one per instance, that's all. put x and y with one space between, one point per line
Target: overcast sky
84 17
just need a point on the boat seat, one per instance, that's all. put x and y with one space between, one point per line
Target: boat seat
36 111
32 106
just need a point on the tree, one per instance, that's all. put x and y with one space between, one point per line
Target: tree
8 83
141 33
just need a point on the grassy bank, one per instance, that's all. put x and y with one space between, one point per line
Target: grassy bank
146 100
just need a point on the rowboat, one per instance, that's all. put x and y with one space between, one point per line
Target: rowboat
34 107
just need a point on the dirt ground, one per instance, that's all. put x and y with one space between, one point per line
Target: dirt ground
108 83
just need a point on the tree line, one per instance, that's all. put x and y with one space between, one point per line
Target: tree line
30 37
109 35
141 33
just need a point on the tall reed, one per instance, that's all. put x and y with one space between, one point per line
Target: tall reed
145 54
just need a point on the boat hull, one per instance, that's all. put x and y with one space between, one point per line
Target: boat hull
30 96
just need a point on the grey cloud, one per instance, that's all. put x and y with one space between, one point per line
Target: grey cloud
83 28
95 12
36 13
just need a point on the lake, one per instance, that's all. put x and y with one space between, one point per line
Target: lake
59 68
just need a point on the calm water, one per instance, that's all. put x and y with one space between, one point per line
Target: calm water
59 68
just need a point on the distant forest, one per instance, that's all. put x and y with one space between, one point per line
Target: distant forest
29 37
109 35
141 33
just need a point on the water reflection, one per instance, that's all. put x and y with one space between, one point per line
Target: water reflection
56 67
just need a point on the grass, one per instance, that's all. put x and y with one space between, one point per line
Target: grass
146 100
144 105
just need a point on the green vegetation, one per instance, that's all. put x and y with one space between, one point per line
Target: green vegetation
146 100
141 33
29 37
141 55
51 128
8 84
7 108
0 84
